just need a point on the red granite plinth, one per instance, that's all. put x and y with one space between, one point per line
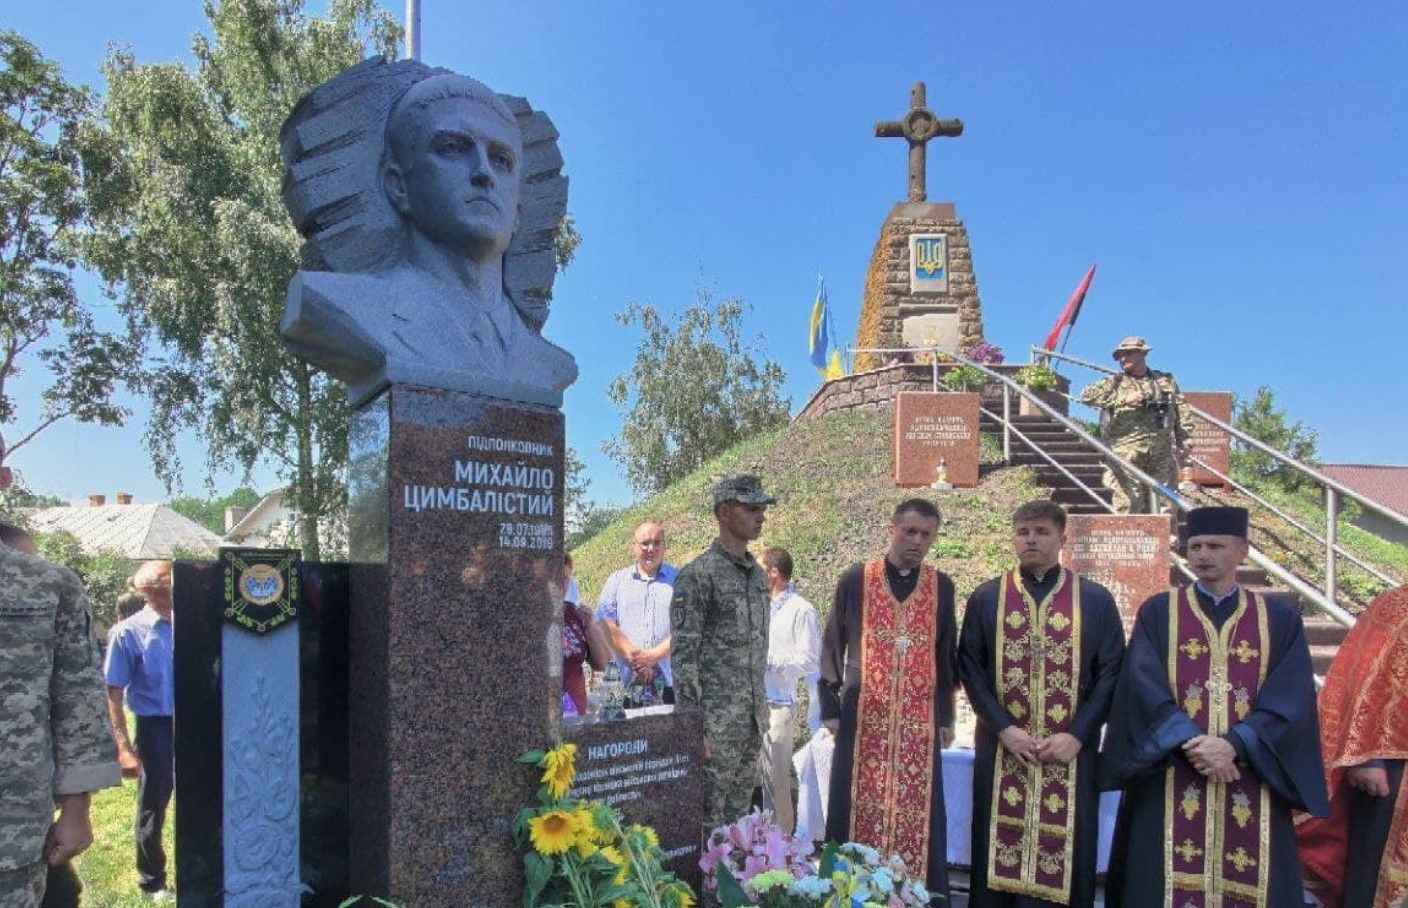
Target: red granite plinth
932 426
651 768
1210 444
1128 554
455 656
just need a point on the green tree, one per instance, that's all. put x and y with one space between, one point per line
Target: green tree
695 389
210 512
1261 420
42 214
104 574
192 237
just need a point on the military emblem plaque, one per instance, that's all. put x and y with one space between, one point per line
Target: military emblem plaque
261 587
928 263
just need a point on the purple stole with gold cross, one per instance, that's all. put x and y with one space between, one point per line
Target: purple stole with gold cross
1031 836
1217 852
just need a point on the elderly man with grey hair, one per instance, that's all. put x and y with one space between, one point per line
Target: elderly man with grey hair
58 748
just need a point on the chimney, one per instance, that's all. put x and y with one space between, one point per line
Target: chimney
234 515
124 497
97 501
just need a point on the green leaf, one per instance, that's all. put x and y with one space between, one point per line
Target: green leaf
536 872
731 895
534 757
828 860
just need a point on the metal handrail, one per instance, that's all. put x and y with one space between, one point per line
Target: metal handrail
1289 518
1340 488
1322 601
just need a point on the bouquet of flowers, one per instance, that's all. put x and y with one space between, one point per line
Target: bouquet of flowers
750 846
985 353
582 853
851 876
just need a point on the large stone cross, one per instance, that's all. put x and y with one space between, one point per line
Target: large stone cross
918 127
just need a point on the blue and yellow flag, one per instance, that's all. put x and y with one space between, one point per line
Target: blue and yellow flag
821 345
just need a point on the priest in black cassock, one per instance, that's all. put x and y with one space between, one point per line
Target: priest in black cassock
1214 738
1039 655
888 671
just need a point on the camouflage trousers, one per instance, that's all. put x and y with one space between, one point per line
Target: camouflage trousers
23 887
1152 455
731 776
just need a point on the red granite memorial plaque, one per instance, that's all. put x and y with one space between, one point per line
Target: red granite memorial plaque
1211 445
1126 553
930 427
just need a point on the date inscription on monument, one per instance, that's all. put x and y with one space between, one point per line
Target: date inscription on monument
930 428
1127 554
1211 445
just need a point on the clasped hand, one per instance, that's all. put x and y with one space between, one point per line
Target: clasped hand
1061 747
1213 756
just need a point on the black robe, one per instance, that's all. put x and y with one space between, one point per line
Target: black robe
839 692
1100 654
1278 743
1370 818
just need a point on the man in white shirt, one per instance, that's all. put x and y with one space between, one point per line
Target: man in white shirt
794 652
634 610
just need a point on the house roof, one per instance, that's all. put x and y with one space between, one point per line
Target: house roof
135 531
1383 484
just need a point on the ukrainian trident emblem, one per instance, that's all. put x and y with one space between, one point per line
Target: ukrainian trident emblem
928 263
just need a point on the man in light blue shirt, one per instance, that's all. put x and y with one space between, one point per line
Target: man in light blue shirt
139 669
634 610
794 654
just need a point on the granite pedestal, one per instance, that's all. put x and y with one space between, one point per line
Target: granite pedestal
1209 444
455 652
1127 553
930 427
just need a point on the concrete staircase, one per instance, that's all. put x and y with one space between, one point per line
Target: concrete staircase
1068 450
1086 464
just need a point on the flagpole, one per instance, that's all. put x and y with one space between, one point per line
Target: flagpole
412 29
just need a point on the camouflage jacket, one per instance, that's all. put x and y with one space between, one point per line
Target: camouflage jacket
53 703
1126 402
719 642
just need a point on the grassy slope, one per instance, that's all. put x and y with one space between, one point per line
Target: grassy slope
108 868
833 481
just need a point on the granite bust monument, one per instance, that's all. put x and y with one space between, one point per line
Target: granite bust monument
428 205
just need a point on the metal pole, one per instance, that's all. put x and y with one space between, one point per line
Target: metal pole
1332 518
1006 424
934 359
412 29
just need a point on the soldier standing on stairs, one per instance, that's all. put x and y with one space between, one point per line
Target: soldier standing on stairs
1144 419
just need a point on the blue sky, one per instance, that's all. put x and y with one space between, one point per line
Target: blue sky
1237 172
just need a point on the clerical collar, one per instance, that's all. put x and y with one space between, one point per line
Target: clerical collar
1050 573
1216 600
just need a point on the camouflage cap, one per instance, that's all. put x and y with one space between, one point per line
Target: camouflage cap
1133 342
744 487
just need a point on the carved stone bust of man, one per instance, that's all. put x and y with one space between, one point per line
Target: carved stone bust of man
411 268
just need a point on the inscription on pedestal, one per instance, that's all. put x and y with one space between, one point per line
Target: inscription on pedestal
931 427
1210 444
1127 554
651 768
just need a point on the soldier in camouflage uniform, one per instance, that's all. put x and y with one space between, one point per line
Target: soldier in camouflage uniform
1140 410
719 619
58 746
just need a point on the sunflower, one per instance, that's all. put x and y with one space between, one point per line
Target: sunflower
612 854
559 769
681 896
553 832
648 834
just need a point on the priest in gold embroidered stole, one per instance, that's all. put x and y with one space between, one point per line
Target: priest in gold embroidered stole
888 670
1039 655
1214 738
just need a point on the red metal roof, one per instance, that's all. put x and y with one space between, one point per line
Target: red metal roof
1386 485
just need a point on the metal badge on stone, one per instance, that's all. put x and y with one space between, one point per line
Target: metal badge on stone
261 587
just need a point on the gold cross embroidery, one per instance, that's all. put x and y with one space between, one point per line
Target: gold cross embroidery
1244 652
1058 621
1012 796
1192 800
1241 809
1054 802
1240 859
1194 648
1189 850
1016 620
1057 713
